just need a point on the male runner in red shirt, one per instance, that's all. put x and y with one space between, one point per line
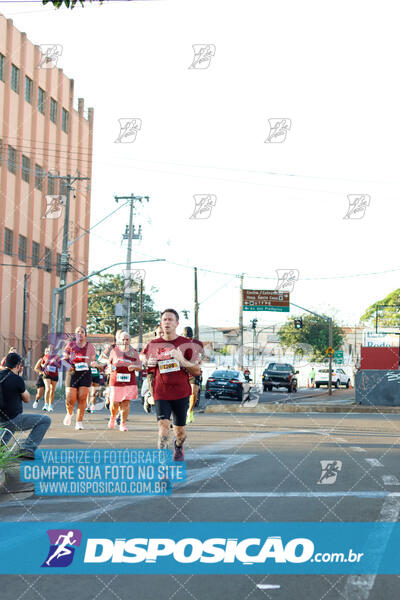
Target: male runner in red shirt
168 363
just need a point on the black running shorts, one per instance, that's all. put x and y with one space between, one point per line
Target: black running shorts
51 377
40 382
178 408
76 380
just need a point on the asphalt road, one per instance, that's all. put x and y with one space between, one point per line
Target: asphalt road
258 467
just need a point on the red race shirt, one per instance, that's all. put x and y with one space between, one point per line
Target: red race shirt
51 364
171 380
119 361
78 357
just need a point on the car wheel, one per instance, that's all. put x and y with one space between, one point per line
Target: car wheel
348 384
265 387
337 384
240 396
317 385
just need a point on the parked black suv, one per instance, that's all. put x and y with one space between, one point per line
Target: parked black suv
280 375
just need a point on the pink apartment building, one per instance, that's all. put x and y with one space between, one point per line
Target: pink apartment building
41 133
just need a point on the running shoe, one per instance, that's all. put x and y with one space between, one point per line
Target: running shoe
67 420
45 406
123 427
190 417
79 425
178 452
111 423
50 408
35 404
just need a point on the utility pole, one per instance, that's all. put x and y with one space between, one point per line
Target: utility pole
24 317
240 357
330 356
129 235
196 306
64 254
141 315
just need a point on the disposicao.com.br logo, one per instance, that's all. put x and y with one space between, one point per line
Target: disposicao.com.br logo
199 548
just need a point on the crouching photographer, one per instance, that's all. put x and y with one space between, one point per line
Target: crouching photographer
12 396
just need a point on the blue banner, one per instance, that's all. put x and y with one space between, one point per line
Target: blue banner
200 548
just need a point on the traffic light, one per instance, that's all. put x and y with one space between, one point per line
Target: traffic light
298 323
254 323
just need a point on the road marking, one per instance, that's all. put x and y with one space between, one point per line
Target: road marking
374 462
358 587
238 494
357 449
267 586
390 480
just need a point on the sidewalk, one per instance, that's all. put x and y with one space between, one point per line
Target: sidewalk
341 401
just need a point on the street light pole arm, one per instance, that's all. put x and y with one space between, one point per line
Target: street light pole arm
65 287
105 269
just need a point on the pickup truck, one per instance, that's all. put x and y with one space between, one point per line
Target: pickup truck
280 375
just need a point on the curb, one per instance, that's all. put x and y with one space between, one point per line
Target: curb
285 408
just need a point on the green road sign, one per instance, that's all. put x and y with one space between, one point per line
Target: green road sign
272 308
339 357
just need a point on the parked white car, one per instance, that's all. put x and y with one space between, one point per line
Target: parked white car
339 377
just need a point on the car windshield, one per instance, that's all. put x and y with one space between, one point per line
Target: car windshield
279 367
225 375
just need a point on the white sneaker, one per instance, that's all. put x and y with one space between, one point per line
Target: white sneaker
45 407
79 425
50 408
67 420
35 404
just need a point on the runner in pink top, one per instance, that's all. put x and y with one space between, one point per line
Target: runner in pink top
124 361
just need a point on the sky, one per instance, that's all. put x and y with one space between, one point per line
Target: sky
326 71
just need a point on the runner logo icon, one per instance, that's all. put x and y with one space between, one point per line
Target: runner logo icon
62 547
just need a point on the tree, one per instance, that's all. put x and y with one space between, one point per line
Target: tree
68 3
313 335
104 293
387 317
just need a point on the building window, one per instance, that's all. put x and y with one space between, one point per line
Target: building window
12 159
58 265
28 89
22 248
38 177
40 100
53 110
15 78
64 121
2 59
35 254
51 185
8 241
47 259
26 167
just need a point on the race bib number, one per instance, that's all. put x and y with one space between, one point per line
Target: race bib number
168 366
81 367
95 371
123 377
51 369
